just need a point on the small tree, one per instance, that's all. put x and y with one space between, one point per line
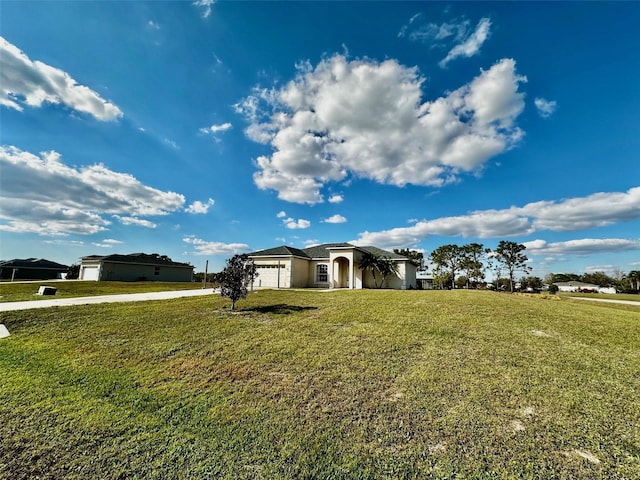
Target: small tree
508 254
239 273
386 267
448 257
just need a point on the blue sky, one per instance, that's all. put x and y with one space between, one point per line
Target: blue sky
202 129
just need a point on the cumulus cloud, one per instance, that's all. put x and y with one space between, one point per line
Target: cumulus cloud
336 199
200 207
584 246
23 81
281 214
203 247
471 44
40 194
296 224
545 107
335 219
580 213
367 119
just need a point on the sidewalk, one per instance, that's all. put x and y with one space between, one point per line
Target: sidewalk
129 297
603 300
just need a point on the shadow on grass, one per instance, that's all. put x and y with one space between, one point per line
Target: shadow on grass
280 309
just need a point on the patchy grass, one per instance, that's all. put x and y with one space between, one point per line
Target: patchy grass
346 384
18 292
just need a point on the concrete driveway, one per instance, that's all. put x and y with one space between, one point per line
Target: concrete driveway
129 297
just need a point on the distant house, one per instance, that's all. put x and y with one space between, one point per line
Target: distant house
134 267
424 280
331 265
575 286
31 269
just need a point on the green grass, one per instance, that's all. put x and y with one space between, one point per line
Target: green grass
344 384
18 292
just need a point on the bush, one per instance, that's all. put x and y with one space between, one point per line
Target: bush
553 289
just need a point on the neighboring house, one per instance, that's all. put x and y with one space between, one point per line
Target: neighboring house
134 267
575 286
424 280
331 265
31 269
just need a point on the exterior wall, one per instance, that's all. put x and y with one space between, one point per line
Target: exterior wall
131 272
30 273
300 273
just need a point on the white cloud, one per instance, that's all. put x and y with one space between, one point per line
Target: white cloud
367 119
335 219
546 108
200 207
171 143
33 83
40 194
584 246
206 4
336 199
140 222
215 129
153 25
107 243
296 224
471 44
597 210
281 214
203 247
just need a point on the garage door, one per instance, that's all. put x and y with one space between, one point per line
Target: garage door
89 273
268 276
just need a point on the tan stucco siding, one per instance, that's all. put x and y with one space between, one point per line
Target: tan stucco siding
300 273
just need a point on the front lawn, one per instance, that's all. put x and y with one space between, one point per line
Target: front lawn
18 292
319 385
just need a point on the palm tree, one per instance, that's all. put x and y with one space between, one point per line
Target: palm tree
385 266
634 277
370 261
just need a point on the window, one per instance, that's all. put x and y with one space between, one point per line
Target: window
157 271
322 274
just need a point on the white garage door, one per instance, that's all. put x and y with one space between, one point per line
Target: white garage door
89 273
268 277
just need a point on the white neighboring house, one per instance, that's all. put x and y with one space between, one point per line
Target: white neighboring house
331 265
575 286
134 267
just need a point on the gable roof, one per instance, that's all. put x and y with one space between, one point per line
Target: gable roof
36 263
322 251
282 251
140 258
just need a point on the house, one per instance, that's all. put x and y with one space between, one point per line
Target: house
575 286
424 280
134 267
31 269
331 265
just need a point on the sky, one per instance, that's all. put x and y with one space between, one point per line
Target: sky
203 129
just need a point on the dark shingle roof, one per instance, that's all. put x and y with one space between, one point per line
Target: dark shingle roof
383 253
280 251
38 263
153 259
321 251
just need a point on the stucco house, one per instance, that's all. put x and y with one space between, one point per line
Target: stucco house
134 267
331 265
31 269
